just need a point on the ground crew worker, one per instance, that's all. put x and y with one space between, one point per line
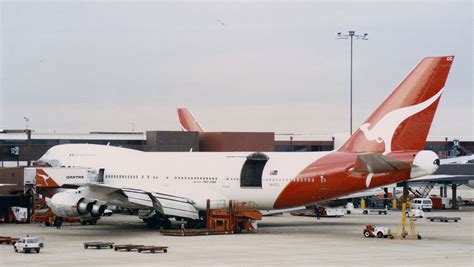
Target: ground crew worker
318 213
57 222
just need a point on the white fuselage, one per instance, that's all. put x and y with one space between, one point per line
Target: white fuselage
195 175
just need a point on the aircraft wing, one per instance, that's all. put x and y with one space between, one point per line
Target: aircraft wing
455 170
463 179
459 160
136 198
378 163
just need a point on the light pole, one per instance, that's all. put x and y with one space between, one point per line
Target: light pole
27 122
351 35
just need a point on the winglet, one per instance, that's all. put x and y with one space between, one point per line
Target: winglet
188 122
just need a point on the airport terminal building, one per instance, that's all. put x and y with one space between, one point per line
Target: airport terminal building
19 147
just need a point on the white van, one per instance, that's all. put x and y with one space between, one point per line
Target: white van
422 203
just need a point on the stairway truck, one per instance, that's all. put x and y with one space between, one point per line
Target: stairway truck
422 203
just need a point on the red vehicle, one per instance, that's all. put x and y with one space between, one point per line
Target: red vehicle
371 231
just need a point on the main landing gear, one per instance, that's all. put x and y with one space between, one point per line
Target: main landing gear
157 221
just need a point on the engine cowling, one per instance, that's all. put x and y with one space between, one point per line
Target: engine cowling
97 210
69 204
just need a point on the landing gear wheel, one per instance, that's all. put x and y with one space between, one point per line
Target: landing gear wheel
157 221
191 224
153 223
166 223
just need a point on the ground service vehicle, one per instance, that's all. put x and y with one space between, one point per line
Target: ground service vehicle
28 244
372 231
422 203
18 214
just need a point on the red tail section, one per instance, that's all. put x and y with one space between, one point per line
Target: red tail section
403 120
188 122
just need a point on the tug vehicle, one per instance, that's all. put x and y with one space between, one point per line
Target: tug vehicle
371 230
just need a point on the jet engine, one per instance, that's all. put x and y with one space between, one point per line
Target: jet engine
70 204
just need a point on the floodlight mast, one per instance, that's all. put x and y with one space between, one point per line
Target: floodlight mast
351 35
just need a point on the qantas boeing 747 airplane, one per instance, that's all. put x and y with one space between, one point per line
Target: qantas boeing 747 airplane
386 149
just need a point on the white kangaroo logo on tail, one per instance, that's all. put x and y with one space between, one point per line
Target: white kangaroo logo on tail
384 129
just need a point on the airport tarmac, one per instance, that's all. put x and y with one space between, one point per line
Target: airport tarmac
280 240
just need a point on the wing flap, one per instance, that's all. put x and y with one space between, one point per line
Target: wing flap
177 206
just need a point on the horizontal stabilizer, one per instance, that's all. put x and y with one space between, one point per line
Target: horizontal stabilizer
378 163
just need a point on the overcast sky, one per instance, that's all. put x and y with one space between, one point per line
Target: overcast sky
239 66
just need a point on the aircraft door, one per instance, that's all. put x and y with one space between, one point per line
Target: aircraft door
96 176
100 176
252 170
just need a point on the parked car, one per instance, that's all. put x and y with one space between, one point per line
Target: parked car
422 203
372 231
107 212
28 244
